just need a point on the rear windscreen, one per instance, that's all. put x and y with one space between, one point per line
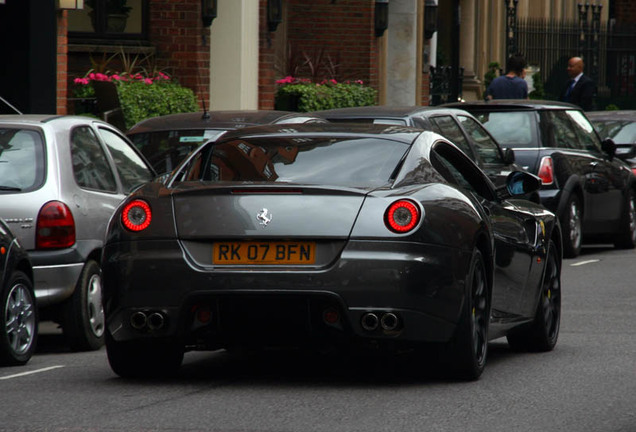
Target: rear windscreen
21 160
165 149
353 162
511 128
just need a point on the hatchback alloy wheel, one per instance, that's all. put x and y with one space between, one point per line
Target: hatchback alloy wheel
575 224
20 318
19 321
572 228
94 307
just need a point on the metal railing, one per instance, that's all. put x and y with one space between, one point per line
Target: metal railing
609 55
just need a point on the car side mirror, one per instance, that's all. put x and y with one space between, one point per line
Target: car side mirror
520 183
609 146
509 156
625 151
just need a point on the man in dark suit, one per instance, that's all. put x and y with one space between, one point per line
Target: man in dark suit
580 89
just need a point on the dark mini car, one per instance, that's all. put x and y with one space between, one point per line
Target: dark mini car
167 140
592 191
457 125
18 312
329 235
620 126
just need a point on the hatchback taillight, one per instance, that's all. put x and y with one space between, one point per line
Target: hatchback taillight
546 170
402 216
55 227
136 215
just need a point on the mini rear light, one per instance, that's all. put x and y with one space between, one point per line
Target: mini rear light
55 228
402 216
136 215
634 171
546 170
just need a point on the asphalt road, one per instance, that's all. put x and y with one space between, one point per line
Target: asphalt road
587 384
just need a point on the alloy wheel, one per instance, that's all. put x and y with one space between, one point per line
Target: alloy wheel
94 305
20 319
575 225
480 314
632 218
551 297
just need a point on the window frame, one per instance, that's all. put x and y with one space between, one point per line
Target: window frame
101 36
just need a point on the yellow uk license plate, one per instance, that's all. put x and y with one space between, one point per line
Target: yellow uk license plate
268 253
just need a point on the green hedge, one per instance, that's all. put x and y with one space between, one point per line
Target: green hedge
142 98
306 96
140 101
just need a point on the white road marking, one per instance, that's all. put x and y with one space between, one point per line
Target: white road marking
580 263
31 372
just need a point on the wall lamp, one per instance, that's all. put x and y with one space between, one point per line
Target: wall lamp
274 14
208 12
70 4
430 18
381 17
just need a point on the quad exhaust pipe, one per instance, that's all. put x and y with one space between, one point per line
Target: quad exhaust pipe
152 321
371 321
138 320
155 321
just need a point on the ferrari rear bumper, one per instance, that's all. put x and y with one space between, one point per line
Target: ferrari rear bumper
374 289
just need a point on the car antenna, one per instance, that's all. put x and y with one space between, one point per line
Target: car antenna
206 114
10 106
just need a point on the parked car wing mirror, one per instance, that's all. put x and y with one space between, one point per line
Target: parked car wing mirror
609 147
520 183
509 156
625 151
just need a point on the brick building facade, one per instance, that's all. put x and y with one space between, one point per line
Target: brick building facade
338 39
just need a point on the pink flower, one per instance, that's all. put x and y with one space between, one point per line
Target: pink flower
115 77
83 81
287 80
148 80
101 77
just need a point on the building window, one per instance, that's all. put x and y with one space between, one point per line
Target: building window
109 20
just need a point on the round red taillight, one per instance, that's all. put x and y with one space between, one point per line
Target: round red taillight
55 228
136 215
402 216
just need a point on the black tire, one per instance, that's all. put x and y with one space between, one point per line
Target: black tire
627 237
19 321
543 334
571 222
83 320
469 347
144 359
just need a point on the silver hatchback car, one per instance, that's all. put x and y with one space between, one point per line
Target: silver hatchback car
61 178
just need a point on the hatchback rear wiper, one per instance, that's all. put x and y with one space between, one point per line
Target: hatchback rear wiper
10 188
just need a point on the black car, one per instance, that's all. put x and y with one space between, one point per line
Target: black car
18 313
167 140
620 126
591 190
457 125
329 236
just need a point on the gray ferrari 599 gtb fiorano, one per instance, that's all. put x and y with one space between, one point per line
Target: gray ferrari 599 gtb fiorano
306 234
